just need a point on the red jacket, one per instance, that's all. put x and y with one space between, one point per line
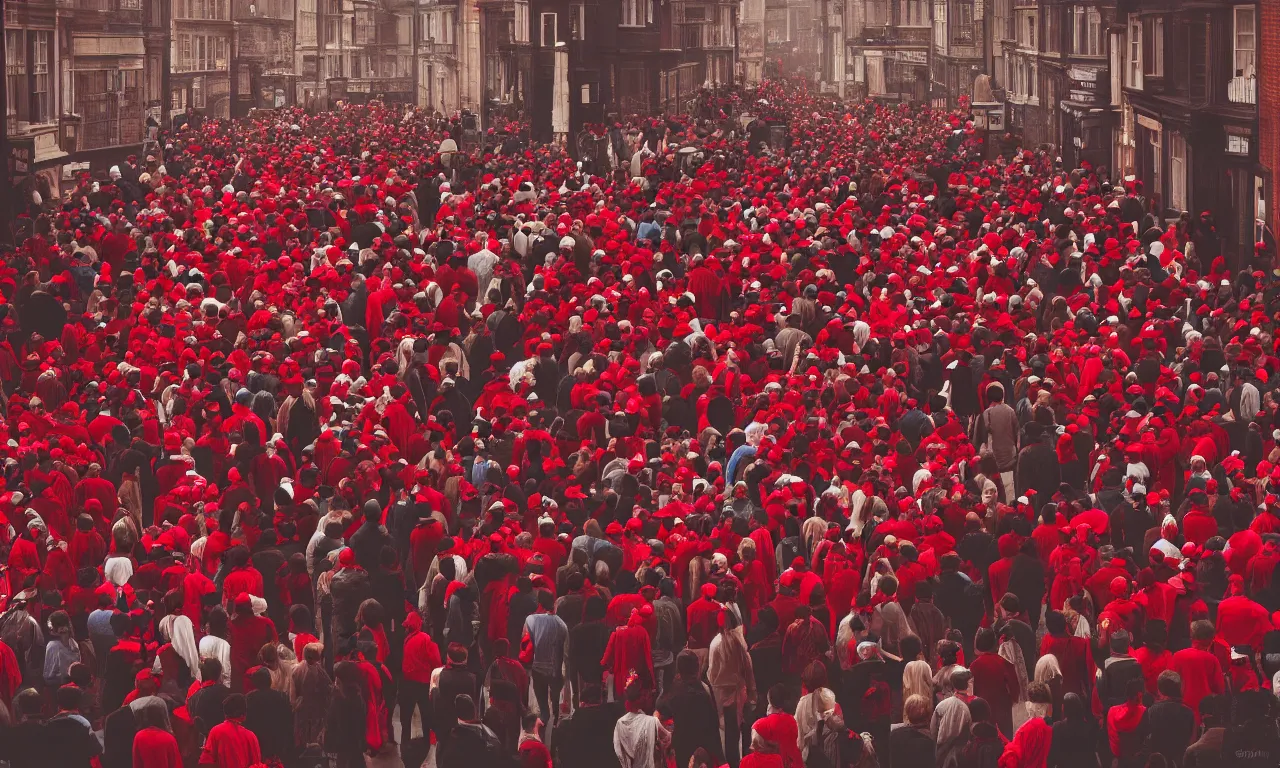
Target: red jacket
156 748
231 745
1201 675
421 654
629 648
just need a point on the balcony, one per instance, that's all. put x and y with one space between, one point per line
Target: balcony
1242 90
434 48
890 35
121 11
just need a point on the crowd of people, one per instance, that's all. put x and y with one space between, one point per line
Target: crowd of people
329 439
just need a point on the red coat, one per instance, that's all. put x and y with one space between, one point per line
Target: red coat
155 748
628 649
1201 675
1241 621
231 745
247 635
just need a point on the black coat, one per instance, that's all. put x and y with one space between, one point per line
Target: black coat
697 723
270 717
911 748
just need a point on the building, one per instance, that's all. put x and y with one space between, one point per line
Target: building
112 59
959 50
1266 215
751 40
1087 99
33 97
1188 114
264 66
200 48
793 35
889 43
504 40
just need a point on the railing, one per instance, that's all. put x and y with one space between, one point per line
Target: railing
1242 90
888 34
110 120
438 49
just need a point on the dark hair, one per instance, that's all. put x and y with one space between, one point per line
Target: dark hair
68 697
815 676
210 669
985 640
235 706
687 664
1169 684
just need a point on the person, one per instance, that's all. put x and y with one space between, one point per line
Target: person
1199 670
1168 723
207 703
995 680
153 745
952 720
1207 750
1075 736
732 682
546 636
70 739
248 632
230 744
421 658
911 743
531 751
585 737
470 742
345 728
985 743
1125 735
453 681
269 714
690 705
816 708
639 738
1031 745
310 700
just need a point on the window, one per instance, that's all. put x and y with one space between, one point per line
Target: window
548 25
197 92
940 25
578 23
1026 30
15 72
446 27
1238 145
522 21
588 93
1050 35
962 26
1086 31
1134 70
39 76
912 13
635 13
1153 46
1177 171
1245 60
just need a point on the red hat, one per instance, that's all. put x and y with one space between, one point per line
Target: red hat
347 557
1120 586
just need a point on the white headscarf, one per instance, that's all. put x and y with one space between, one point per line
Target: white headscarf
183 638
118 570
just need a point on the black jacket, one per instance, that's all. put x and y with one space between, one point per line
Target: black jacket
697 723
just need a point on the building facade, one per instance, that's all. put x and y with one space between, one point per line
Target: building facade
1189 116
